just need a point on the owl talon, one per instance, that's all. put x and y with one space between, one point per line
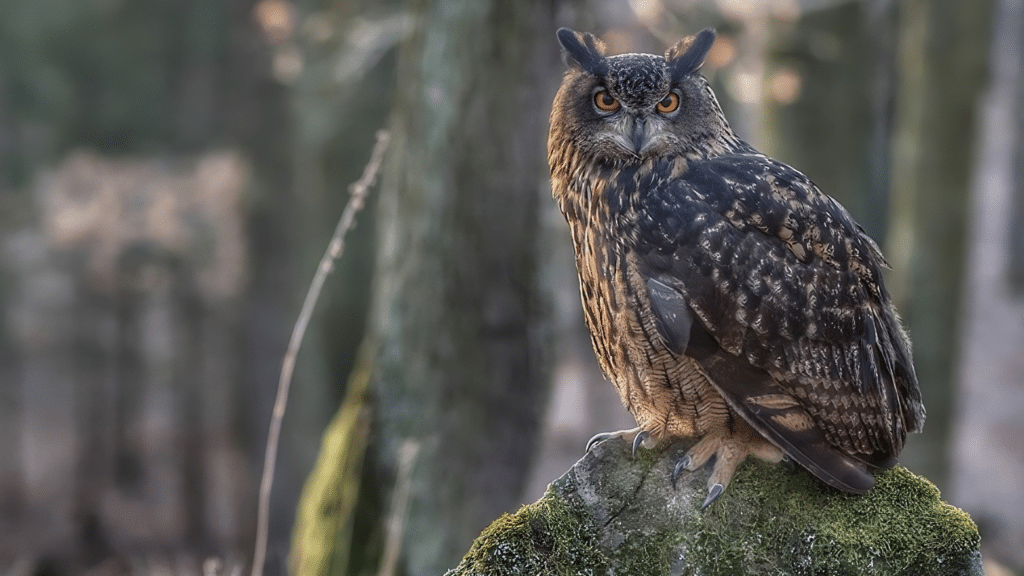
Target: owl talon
632 434
677 470
714 491
639 439
597 439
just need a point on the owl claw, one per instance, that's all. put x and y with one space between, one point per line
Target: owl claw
714 491
597 439
677 470
632 434
639 439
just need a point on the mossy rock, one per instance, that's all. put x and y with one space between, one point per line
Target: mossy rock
613 514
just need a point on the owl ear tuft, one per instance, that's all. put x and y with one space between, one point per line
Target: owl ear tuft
688 55
582 50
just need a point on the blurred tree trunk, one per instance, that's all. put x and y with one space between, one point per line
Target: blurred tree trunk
943 64
146 147
453 382
988 433
331 105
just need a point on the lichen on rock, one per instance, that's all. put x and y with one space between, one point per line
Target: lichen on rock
615 514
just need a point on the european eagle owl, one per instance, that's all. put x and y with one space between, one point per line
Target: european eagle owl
727 298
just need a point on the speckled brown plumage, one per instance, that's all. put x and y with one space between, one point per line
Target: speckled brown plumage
727 297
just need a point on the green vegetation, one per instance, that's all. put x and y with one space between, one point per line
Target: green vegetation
770 521
546 537
797 525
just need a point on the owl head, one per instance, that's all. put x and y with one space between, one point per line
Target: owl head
631 107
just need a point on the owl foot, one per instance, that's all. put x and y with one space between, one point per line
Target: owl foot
725 454
639 437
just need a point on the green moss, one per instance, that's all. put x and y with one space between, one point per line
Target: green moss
646 556
322 538
770 521
899 527
545 537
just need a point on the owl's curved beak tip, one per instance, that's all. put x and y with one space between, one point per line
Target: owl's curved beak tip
639 137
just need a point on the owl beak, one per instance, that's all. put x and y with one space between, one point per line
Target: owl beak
639 138
641 135
635 133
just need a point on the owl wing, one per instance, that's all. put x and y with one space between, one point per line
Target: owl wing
777 293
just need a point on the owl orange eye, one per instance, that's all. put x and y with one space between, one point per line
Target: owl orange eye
605 102
669 104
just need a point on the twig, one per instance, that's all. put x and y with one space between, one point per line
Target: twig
395 523
357 199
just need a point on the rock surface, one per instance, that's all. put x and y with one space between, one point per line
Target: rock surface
613 514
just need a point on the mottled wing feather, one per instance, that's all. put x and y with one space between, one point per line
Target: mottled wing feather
784 281
673 316
780 417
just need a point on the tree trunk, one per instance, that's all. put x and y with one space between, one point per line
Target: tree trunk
942 68
453 382
988 433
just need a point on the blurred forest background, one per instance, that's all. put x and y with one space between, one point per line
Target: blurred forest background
171 171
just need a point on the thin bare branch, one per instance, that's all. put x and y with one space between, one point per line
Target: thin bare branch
358 191
395 523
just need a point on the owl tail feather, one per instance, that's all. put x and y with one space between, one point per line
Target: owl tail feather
781 419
